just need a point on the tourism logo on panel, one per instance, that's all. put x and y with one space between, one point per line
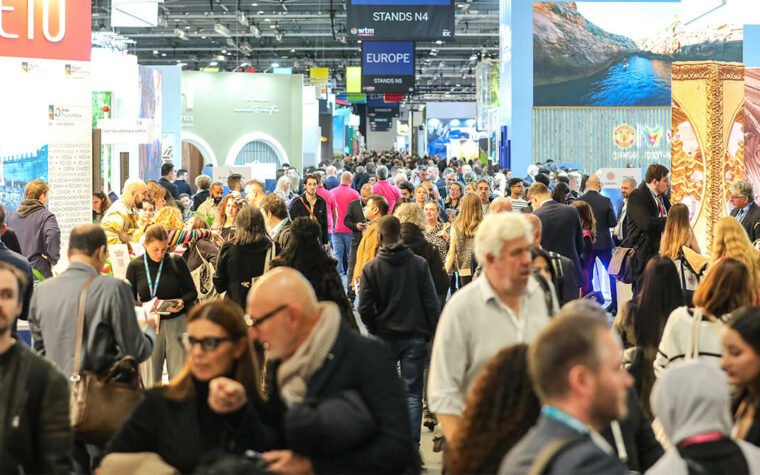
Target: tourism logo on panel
624 136
653 135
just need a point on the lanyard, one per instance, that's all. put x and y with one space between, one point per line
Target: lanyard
561 416
151 287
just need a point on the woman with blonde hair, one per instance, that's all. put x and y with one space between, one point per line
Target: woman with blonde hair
678 233
462 238
229 208
171 218
730 240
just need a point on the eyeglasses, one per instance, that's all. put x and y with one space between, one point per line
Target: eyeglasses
210 343
254 322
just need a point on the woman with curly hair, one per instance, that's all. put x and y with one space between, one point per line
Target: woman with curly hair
588 223
499 411
306 255
731 240
463 237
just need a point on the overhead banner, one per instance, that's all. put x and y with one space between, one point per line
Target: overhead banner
388 66
423 20
353 79
50 29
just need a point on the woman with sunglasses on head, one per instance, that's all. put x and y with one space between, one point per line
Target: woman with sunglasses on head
159 274
214 404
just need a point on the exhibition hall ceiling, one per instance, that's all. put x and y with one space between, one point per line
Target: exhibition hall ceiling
230 34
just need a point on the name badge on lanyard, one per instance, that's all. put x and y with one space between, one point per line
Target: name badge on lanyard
151 286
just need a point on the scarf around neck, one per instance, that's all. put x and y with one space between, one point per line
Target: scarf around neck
294 374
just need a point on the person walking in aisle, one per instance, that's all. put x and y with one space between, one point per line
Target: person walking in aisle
746 211
646 215
575 365
110 324
37 229
604 214
343 235
22 264
311 205
167 178
621 229
505 305
375 209
159 274
398 303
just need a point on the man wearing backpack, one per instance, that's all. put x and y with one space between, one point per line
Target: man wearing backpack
504 305
575 366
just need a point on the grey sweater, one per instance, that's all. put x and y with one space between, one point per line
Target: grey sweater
111 328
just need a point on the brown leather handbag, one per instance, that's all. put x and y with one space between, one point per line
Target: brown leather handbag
100 405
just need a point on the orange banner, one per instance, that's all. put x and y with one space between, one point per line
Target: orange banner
49 29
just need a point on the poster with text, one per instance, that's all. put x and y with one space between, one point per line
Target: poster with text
614 54
45 133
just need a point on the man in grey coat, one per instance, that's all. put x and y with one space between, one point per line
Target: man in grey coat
111 330
575 365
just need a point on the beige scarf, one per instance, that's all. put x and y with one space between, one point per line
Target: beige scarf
294 374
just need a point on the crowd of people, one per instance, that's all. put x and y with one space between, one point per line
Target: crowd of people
320 327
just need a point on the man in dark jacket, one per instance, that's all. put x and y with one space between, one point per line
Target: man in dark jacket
181 182
575 366
19 262
604 213
646 216
745 209
357 223
34 423
323 361
562 229
398 303
311 205
167 176
37 228
360 179
564 270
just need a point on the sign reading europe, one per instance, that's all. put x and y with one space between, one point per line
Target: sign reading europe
388 66
409 20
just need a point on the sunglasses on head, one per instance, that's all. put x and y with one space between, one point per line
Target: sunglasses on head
210 343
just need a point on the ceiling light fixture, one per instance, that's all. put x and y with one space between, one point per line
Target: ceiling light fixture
213 63
222 30
255 31
180 34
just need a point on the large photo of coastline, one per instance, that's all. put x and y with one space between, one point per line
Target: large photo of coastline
617 54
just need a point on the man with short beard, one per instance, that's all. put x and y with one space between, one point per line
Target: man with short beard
120 221
34 396
576 368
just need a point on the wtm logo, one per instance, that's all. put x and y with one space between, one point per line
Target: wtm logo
362 31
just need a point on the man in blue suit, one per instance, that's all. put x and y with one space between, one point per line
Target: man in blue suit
604 213
562 229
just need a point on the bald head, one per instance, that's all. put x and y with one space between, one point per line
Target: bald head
345 178
594 183
500 205
283 308
537 225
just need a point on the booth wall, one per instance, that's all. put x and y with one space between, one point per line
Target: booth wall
311 134
171 114
594 137
222 112
381 140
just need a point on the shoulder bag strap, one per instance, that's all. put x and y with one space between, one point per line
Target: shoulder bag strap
693 351
80 325
550 451
309 209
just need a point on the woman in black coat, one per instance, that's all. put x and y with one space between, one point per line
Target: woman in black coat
306 255
245 258
413 237
180 423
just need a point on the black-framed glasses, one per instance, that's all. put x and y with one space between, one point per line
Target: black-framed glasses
254 322
210 343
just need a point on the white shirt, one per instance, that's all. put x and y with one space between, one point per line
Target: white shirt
474 326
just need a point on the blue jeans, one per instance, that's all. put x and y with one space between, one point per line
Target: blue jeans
342 249
411 353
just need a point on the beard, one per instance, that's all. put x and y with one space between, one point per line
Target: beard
607 407
5 322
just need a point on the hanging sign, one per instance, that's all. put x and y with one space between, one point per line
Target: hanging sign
46 29
423 20
388 66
